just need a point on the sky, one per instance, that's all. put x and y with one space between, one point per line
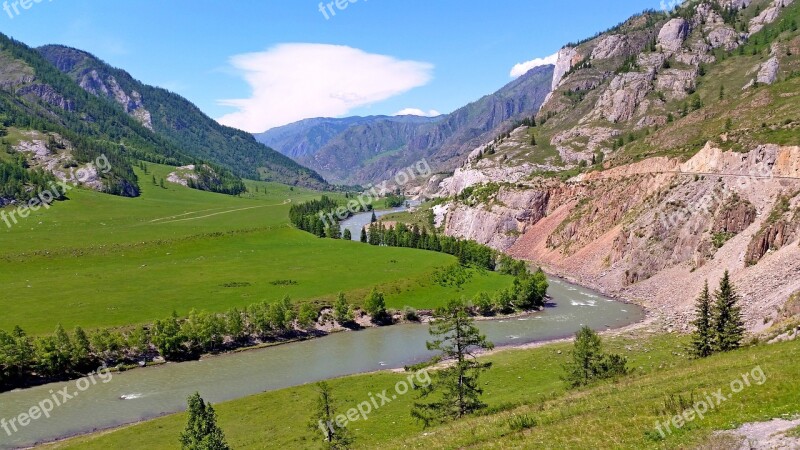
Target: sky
257 64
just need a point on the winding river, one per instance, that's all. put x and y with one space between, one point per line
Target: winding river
150 392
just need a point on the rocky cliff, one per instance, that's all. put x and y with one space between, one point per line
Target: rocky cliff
667 154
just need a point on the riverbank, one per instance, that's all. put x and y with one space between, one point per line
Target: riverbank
154 391
500 350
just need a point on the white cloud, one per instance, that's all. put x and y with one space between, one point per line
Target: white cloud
522 68
417 112
291 82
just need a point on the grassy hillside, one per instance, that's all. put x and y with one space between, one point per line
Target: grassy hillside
181 122
618 414
98 260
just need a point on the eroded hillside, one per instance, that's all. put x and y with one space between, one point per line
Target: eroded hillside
666 154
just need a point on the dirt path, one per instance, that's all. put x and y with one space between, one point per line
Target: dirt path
174 218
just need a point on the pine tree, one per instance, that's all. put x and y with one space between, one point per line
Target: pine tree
202 432
324 419
364 235
456 387
347 235
589 363
374 218
727 320
703 336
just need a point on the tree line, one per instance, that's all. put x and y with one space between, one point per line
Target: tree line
19 183
27 360
319 217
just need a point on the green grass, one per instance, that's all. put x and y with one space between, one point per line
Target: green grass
522 383
98 260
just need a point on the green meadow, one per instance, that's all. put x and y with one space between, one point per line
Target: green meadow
97 260
522 383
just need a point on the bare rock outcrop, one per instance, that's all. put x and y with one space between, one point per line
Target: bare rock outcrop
47 94
673 34
500 223
624 94
676 83
93 83
612 46
768 15
567 57
768 73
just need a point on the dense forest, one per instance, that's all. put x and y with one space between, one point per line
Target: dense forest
19 183
187 128
54 103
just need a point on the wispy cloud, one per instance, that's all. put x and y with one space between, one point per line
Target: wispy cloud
417 112
291 82
524 67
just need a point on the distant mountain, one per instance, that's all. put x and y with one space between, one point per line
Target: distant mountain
306 137
178 121
361 150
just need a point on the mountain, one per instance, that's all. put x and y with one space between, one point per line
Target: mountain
363 150
306 137
178 121
667 153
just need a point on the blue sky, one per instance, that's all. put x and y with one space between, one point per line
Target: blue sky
256 64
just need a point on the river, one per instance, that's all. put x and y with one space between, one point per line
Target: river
163 389
146 393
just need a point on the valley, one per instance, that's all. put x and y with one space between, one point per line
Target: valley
603 252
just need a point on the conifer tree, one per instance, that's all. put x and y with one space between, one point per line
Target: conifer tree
703 336
324 419
728 324
456 387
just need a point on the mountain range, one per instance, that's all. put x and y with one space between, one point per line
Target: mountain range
86 108
361 150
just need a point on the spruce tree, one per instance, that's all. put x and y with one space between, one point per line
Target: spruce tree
324 420
703 336
588 362
202 432
728 324
363 235
456 387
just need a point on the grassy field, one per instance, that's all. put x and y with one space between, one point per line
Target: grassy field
617 414
98 260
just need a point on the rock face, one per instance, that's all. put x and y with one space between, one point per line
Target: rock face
634 230
47 94
611 46
132 104
626 91
672 35
675 83
566 59
502 222
768 73
768 15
